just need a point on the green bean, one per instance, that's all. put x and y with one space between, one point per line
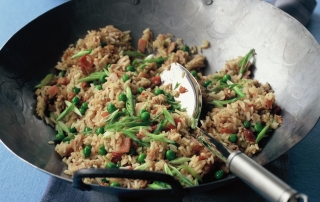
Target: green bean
66 112
263 132
45 81
191 171
180 160
82 53
133 53
169 117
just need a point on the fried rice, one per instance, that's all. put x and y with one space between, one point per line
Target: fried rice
102 130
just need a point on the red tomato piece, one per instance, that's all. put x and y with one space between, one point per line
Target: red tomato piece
156 80
197 148
248 134
63 81
201 158
52 91
125 146
225 130
182 89
86 64
269 104
142 44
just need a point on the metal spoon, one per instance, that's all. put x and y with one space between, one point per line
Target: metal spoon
252 173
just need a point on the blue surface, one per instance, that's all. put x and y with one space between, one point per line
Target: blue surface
22 182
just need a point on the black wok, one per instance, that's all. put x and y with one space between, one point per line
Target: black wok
287 58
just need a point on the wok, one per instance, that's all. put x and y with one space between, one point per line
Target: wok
287 58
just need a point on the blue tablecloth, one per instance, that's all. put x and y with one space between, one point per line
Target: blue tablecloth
22 182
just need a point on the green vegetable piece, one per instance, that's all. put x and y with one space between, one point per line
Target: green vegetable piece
158 91
62 126
243 64
182 177
130 68
160 126
142 111
84 105
185 48
247 124
145 116
142 167
100 130
76 90
159 137
111 108
102 150
258 127
180 160
125 78
59 137
82 110
158 60
122 97
169 117
103 44
108 66
66 112
129 103
225 78
75 109
170 98
207 83
263 132
142 158
87 130
72 130
175 144
220 103
82 53
99 87
115 184
170 155
155 186
111 165
68 138
233 138
167 169
140 90
45 81
93 77
236 89
176 86
142 66
104 180
102 78
87 151
195 74
219 174
62 73
132 151
132 136
159 185
75 100
191 171
133 54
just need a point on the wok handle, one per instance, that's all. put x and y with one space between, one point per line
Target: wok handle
122 173
261 180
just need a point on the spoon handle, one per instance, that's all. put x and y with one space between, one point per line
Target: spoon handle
261 180
252 173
